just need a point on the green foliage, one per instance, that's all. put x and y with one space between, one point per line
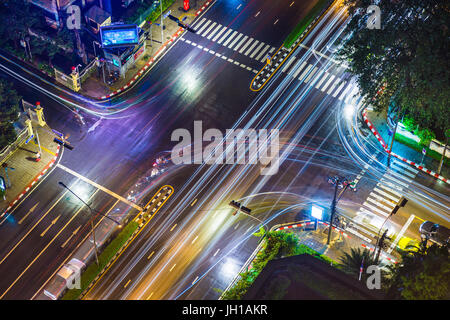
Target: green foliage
93 270
423 274
350 262
9 110
277 244
405 62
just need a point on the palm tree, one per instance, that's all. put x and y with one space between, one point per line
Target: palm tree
351 262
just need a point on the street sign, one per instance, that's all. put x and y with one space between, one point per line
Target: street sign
165 15
316 212
424 151
29 138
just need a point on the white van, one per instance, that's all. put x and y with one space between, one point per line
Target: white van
66 274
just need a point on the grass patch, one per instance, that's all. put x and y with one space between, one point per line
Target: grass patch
304 23
92 271
418 147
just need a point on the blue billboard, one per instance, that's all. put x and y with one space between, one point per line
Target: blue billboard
115 36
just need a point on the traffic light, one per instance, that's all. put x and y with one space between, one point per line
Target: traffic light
401 203
29 127
238 206
63 143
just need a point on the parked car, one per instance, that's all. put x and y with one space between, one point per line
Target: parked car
435 232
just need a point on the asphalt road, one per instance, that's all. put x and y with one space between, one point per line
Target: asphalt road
195 244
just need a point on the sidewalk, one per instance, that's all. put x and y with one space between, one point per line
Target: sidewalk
27 171
94 86
380 123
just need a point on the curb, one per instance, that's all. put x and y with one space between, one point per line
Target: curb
33 182
382 254
385 148
153 59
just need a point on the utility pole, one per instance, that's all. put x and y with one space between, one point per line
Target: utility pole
337 181
162 26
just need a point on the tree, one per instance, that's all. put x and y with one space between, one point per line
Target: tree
423 274
9 110
405 62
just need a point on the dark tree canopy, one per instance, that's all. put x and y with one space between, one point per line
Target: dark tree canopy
406 62
9 108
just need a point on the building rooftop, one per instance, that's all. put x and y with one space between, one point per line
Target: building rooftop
305 277
97 14
51 5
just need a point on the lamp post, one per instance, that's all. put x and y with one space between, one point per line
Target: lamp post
92 220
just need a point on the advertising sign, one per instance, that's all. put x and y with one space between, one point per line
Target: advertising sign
115 36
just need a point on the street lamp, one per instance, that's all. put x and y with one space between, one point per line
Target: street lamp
92 220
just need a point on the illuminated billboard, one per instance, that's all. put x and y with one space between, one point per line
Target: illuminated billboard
114 36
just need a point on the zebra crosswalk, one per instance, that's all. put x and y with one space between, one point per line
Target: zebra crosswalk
386 194
233 39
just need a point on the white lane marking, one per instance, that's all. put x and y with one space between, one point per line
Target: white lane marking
193 282
239 6
218 35
240 43
246 44
172 267
400 235
229 38
194 240
275 22
344 94
214 31
224 36
257 14
235 40
291 4
216 252
333 86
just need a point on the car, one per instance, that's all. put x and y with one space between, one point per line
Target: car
435 232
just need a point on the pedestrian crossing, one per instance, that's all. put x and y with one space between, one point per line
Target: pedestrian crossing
384 197
233 39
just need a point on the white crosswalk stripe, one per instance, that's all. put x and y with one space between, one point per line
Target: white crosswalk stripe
339 88
328 83
257 49
224 36
235 40
322 79
262 52
240 43
387 201
406 166
311 74
209 29
199 24
401 170
373 208
204 26
229 38
344 94
379 204
298 70
251 47
214 31
292 59
218 35
246 45
387 195
305 72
